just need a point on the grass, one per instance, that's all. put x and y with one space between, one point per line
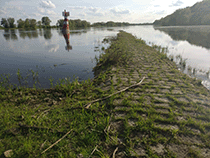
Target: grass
49 114
33 119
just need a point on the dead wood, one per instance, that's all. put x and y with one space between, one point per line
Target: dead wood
100 99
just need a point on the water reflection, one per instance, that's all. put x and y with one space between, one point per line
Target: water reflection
28 33
40 32
47 34
196 35
66 35
10 35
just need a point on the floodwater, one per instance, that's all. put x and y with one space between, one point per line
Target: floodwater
41 54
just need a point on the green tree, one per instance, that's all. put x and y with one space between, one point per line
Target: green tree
5 23
111 24
32 23
72 24
60 23
39 24
46 21
27 23
11 22
21 23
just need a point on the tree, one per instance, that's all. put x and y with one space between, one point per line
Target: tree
60 23
32 23
5 23
46 21
21 23
39 24
27 23
11 22
72 24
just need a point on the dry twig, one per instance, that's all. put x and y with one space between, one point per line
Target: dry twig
56 142
114 152
93 151
135 85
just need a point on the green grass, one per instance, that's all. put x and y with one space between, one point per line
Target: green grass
32 119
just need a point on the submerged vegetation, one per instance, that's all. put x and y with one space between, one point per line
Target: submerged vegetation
138 105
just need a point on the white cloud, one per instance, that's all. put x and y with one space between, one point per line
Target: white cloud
41 10
118 11
82 14
12 11
50 12
160 12
2 12
47 4
177 4
76 7
94 9
53 47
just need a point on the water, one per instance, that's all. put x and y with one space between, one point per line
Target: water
43 51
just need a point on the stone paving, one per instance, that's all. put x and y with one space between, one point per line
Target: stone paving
168 114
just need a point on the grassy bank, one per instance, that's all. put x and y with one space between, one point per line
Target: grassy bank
138 105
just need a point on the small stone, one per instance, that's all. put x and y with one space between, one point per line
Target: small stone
8 153
54 102
47 99
80 156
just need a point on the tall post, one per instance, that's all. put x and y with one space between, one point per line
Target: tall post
65 30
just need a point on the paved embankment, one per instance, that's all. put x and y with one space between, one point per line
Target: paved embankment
138 105
168 114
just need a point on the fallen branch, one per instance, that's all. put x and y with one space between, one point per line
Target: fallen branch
114 152
93 151
43 113
56 142
135 85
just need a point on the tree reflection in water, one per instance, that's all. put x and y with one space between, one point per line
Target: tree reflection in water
196 35
47 33
10 34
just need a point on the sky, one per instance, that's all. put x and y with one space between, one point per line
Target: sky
132 11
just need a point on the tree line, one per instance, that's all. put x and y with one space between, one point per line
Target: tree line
45 23
74 23
198 14
27 23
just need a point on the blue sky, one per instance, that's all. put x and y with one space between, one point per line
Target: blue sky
132 11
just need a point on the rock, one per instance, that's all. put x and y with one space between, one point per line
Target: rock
8 153
80 156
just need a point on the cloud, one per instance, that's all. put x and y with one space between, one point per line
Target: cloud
12 11
156 5
41 10
47 4
50 12
53 47
2 12
82 14
45 11
76 7
94 11
176 4
160 12
118 11
36 15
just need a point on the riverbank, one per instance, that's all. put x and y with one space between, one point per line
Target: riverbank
138 104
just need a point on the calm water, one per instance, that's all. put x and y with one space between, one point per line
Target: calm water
43 51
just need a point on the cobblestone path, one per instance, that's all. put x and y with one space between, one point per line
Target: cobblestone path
167 115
